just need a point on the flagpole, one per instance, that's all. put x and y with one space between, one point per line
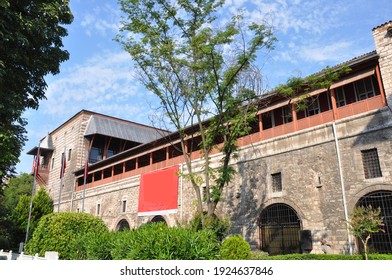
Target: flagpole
63 159
36 161
84 181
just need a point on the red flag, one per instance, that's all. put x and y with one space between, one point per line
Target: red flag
63 165
36 164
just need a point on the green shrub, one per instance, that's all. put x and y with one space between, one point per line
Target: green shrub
380 256
56 232
321 257
92 246
235 248
156 241
219 226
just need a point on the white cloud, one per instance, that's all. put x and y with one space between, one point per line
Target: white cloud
336 51
101 20
105 83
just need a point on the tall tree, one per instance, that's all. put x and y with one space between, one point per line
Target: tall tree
9 198
16 187
201 70
31 35
42 205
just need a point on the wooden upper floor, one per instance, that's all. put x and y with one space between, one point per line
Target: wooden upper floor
358 92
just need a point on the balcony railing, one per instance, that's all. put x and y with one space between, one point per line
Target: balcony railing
352 109
43 175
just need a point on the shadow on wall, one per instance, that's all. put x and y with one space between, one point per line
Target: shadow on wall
246 199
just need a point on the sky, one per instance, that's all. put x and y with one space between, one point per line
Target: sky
100 76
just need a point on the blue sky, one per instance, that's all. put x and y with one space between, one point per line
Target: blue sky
99 75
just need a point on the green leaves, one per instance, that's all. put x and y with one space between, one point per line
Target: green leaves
56 231
364 221
30 49
201 70
235 248
299 88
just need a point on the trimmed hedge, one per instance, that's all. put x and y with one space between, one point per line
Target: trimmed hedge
58 231
322 257
235 248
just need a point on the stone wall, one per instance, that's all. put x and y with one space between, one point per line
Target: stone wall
383 39
310 177
311 182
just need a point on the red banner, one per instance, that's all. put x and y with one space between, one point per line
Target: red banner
158 192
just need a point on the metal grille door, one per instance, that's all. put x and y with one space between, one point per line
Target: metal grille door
380 242
280 230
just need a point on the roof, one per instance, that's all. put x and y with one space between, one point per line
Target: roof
99 124
385 23
46 145
170 137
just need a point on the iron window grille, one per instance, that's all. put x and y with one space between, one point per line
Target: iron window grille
276 182
371 163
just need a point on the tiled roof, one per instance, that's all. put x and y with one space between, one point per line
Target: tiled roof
382 24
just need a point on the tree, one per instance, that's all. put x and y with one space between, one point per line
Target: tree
42 205
4 222
9 198
30 48
364 221
58 231
203 75
17 186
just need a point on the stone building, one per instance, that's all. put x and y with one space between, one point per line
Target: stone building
299 174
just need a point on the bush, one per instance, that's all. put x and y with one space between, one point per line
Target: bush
235 248
92 246
156 241
219 226
322 257
57 232
380 256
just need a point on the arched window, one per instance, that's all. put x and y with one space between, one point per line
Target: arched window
380 242
123 225
280 229
158 219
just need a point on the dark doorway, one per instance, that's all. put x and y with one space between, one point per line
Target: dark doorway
380 242
280 229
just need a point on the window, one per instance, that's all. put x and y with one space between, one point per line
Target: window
124 206
276 182
96 154
97 149
364 89
69 154
98 209
287 114
340 97
114 148
313 108
371 164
